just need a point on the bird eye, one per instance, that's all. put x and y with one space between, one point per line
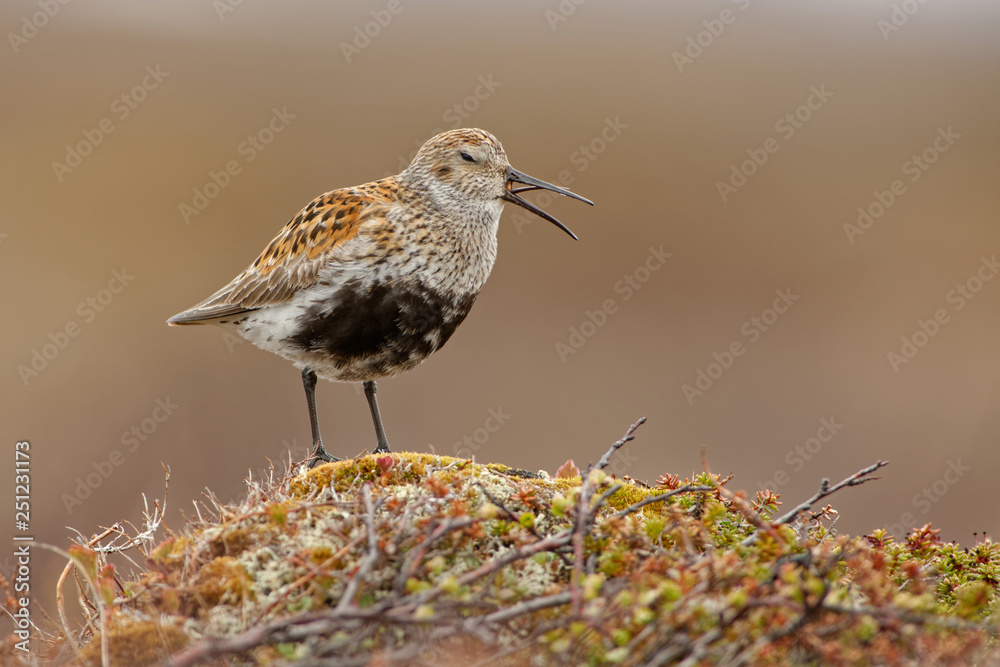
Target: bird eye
468 158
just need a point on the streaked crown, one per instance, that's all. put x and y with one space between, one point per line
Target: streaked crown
461 164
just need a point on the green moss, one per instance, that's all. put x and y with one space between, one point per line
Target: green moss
674 569
381 470
136 643
233 540
222 580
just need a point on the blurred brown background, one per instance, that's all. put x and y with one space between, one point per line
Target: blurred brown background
645 109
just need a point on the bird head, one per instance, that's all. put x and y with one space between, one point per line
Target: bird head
470 165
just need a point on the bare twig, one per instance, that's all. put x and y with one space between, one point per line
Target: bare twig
416 556
551 543
629 436
309 576
860 477
286 629
527 607
61 606
370 558
514 516
915 618
410 623
580 523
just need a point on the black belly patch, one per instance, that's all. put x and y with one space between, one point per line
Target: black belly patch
388 324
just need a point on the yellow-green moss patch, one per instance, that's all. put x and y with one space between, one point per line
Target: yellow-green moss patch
136 644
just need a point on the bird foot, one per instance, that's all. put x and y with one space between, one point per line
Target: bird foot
320 455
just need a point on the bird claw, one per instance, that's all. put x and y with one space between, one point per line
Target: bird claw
320 455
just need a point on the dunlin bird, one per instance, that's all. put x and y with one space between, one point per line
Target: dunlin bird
366 282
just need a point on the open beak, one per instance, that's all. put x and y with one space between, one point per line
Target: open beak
511 195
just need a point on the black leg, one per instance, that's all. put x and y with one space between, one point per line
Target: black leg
383 443
319 452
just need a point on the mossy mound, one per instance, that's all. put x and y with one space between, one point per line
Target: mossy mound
419 559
